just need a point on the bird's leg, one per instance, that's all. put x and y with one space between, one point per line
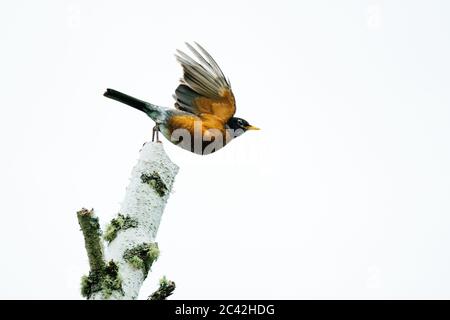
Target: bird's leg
155 133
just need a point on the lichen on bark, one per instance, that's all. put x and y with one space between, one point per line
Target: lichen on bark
121 222
154 180
142 256
91 231
102 276
106 280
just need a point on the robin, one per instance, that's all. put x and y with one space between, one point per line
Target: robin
203 118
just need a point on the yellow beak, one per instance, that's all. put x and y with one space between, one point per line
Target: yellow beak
252 128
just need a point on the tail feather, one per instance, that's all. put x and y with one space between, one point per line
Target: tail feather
128 100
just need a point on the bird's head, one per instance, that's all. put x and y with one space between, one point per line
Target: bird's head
240 125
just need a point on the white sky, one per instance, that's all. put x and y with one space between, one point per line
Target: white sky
343 194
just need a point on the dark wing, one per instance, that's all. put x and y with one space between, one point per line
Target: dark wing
204 88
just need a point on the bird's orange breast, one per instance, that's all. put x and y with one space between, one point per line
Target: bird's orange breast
193 123
205 127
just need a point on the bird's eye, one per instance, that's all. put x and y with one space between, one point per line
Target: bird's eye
240 122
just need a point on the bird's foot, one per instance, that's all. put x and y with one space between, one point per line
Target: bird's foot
156 133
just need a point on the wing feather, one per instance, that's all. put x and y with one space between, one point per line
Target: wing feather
204 89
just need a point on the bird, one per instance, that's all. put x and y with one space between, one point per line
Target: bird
202 120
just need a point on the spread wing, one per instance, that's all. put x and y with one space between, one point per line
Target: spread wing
204 90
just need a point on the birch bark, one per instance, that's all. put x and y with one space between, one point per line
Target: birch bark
131 235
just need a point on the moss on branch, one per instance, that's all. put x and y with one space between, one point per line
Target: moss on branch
102 276
166 288
142 256
91 231
120 223
107 281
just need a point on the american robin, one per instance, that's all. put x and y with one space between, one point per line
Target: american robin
202 121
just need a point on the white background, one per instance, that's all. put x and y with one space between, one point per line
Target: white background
343 194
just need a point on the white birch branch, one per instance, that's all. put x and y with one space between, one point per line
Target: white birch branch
131 235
